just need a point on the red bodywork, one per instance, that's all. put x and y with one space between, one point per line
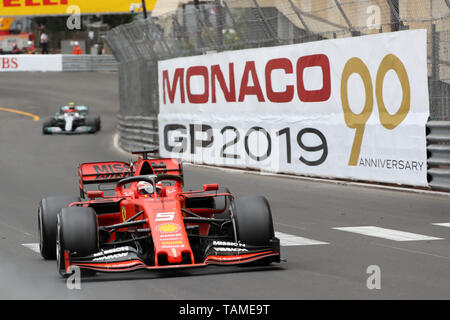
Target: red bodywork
163 216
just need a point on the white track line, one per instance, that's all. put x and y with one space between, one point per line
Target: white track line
445 224
389 234
33 247
287 240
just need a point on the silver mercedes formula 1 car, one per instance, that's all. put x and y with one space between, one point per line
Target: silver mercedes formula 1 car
72 119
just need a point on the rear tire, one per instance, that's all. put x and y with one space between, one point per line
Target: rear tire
48 211
77 233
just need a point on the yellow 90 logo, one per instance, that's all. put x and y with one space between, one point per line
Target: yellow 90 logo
387 120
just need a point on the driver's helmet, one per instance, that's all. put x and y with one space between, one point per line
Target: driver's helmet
144 188
68 108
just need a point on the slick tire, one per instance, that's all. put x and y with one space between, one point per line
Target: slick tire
94 123
253 220
98 123
47 124
48 211
77 235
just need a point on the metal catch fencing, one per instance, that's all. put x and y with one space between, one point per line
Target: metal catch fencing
199 27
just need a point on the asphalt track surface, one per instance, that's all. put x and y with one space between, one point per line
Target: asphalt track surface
33 166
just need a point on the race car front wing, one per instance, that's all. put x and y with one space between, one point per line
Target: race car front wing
127 258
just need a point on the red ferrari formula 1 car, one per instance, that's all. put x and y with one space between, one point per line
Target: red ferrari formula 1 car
150 222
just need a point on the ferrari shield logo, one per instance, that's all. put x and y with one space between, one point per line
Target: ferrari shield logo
124 214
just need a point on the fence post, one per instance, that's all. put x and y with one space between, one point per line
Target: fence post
198 25
434 78
219 24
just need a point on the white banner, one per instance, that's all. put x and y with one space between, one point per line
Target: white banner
352 108
30 62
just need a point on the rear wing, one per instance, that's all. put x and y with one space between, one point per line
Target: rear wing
114 171
158 166
102 172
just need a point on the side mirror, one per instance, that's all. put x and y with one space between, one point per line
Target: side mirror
95 194
210 187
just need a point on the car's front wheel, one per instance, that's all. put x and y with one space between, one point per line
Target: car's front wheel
77 229
48 211
253 220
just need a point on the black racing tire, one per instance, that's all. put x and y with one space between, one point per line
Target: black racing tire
94 122
78 227
48 211
46 124
77 233
253 220
98 123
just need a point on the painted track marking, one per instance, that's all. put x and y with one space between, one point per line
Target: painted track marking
445 224
287 240
32 246
31 115
389 234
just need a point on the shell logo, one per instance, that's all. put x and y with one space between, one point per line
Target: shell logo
168 227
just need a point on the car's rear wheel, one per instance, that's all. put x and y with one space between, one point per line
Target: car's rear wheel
47 215
77 229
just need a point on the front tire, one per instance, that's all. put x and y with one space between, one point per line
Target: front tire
253 220
94 123
77 235
47 124
48 211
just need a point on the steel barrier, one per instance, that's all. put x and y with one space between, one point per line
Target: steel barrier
137 132
438 149
89 63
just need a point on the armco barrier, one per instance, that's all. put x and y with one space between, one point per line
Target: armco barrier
438 139
89 63
137 132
